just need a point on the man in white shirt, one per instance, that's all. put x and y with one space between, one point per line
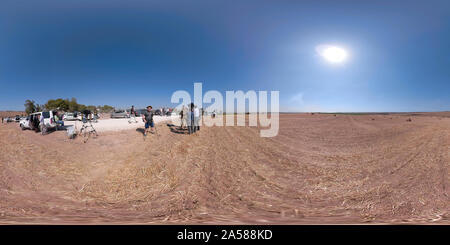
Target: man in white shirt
132 115
196 119
42 124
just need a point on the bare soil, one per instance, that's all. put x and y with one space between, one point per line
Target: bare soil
320 169
11 113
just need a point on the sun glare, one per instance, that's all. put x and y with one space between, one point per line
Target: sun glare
332 54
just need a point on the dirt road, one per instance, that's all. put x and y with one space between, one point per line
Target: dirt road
118 124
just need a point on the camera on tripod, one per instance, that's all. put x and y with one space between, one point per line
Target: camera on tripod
87 115
87 129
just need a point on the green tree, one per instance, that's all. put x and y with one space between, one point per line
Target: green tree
64 105
92 108
30 107
39 107
73 105
58 104
105 108
81 107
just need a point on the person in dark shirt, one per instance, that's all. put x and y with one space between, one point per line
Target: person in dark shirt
147 117
181 119
191 119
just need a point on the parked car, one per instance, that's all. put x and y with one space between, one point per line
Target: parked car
139 112
78 115
25 123
119 114
69 116
32 121
157 112
17 118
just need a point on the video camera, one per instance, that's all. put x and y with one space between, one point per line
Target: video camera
86 112
86 115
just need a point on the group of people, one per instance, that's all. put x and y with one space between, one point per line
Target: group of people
190 116
164 111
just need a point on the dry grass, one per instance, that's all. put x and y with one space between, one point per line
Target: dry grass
11 113
320 169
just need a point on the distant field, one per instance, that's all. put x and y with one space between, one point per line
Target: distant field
11 113
321 168
428 114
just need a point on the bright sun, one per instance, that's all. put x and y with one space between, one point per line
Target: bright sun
333 54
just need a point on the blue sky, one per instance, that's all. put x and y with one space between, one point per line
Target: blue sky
140 52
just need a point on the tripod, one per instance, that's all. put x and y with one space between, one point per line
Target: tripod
87 130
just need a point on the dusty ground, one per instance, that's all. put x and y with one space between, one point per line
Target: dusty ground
11 113
319 169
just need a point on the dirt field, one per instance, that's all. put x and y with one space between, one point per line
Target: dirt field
321 168
11 113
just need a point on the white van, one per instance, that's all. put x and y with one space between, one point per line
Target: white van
32 121
69 116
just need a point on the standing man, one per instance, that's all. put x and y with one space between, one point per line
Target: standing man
147 117
182 117
96 115
185 115
42 124
132 114
190 119
196 118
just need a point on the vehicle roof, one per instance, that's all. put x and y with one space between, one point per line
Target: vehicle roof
40 112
